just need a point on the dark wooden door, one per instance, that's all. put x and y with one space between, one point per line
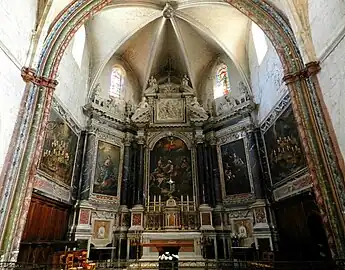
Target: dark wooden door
45 230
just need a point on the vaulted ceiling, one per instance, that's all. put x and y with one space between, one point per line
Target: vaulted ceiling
182 36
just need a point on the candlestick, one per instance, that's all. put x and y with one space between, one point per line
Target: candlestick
187 203
154 203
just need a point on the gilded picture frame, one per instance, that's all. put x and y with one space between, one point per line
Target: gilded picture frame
58 156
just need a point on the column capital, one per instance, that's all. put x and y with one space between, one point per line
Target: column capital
211 138
310 69
199 137
29 75
128 139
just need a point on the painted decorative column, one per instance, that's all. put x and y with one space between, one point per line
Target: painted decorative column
319 142
31 123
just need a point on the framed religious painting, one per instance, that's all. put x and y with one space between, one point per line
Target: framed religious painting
59 150
170 170
283 147
234 168
107 169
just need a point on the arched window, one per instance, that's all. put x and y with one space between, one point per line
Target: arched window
78 45
222 86
260 42
116 82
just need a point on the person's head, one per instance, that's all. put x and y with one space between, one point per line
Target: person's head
107 161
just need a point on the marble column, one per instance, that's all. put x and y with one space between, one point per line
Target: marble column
90 152
211 184
215 170
140 173
207 179
79 163
125 170
201 178
132 185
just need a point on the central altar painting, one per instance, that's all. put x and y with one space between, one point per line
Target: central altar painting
170 169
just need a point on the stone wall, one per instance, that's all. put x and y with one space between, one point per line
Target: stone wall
15 36
327 20
73 84
266 79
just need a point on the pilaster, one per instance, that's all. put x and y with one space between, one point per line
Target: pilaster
23 160
326 167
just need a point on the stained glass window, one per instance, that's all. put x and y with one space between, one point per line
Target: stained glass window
116 82
222 81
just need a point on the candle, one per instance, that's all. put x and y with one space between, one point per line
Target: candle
154 203
181 203
194 203
159 201
187 203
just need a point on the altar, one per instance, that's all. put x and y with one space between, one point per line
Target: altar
187 243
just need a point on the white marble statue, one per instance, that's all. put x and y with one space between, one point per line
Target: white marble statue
141 112
197 112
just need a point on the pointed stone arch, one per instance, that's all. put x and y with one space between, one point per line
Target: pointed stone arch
325 166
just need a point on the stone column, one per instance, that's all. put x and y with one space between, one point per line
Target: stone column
125 170
321 148
22 162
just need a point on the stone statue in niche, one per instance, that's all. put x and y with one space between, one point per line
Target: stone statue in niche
197 112
141 114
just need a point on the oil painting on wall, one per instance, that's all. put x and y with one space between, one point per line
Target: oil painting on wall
170 169
57 158
107 169
283 147
236 176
